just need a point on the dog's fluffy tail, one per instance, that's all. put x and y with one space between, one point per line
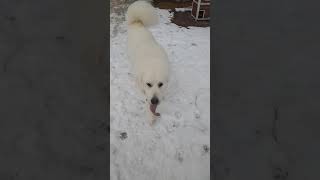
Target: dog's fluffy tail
142 12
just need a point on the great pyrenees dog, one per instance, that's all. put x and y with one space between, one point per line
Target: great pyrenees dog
149 60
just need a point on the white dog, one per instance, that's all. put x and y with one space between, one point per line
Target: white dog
149 60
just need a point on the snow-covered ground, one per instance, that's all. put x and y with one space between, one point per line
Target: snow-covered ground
177 146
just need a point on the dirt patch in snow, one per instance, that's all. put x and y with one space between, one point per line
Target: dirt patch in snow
184 19
170 4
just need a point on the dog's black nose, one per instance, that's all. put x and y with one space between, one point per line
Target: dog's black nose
154 100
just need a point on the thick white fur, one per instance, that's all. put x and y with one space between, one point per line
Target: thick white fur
149 60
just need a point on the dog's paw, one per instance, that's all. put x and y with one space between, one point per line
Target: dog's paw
151 118
151 121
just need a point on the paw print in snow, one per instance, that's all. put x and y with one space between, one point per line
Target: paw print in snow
197 115
177 115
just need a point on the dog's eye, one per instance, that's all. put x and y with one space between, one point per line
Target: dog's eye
148 84
160 84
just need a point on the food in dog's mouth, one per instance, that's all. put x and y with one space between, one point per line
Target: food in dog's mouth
153 108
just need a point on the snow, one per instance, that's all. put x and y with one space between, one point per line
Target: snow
182 9
177 146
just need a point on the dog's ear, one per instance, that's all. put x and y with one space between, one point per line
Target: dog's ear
167 81
141 83
140 80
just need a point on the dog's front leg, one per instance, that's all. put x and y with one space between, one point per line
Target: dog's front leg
151 117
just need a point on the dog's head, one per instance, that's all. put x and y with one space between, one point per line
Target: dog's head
153 86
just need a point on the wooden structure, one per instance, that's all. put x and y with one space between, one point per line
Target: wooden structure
200 9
